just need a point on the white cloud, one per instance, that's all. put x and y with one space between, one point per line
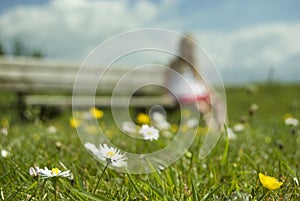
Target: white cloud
254 48
248 53
70 29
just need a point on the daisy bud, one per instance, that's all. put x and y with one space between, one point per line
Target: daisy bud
33 171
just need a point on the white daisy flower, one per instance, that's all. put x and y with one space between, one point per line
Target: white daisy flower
54 172
159 121
192 122
52 130
238 128
157 116
149 133
291 121
230 134
5 153
129 127
253 107
4 131
108 154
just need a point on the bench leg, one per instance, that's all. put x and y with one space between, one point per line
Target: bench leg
49 112
21 106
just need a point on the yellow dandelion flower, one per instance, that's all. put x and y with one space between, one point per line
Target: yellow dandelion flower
75 123
269 182
96 113
143 118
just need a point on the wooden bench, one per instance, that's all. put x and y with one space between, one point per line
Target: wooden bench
42 83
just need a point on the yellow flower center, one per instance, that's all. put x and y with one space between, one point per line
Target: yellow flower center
55 171
149 133
110 153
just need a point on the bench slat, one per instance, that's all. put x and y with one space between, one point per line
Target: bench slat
68 89
103 101
51 83
63 78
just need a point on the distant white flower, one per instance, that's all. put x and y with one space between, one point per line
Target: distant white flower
159 121
129 127
252 88
230 134
238 128
52 130
253 107
192 122
149 133
157 116
5 153
291 121
54 172
296 181
4 131
107 154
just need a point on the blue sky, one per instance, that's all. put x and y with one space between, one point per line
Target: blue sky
244 38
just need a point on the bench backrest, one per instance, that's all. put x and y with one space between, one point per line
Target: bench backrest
40 77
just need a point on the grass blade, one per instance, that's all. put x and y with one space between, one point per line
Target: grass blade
91 196
195 196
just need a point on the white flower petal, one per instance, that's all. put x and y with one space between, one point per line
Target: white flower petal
4 131
230 134
33 171
238 128
5 153
91 147
52 130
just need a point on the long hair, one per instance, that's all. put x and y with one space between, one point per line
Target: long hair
187 50
186 58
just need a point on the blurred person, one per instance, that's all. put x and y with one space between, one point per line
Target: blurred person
186 83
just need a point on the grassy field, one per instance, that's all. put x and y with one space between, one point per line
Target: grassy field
230 172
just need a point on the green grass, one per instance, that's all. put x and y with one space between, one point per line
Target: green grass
230 172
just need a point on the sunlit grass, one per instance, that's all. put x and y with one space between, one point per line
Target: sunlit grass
230 172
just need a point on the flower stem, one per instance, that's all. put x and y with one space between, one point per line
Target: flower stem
100 177
265 193
54 185
41 188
